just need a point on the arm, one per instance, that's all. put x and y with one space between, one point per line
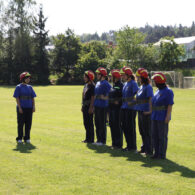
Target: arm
19 106
168 116
150 106
91 105
33 102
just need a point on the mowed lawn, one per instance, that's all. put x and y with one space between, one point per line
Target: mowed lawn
58 163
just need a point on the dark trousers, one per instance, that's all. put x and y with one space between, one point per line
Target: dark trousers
100 123
24 119
160 138
115 127
128 125
88 123
144 122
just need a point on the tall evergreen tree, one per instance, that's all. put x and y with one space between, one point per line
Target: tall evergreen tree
41 59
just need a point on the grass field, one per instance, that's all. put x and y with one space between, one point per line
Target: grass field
58 163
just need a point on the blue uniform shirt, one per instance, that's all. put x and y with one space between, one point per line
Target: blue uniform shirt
25 93
102 88
162 97
144 93
129 90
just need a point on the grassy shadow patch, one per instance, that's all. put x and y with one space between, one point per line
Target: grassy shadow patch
167 165
24 148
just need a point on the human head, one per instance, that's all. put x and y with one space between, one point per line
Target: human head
115 75
122 72
88 76
25 77
159 79
128 74
101 73
142 76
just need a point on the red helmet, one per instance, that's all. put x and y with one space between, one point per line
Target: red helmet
159 78
101 71
23 75
128 71
139 71
122 71
116 73
90 74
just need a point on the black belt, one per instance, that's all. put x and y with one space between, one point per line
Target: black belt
127 99
158 108
25 98
99 97
112 100
142 101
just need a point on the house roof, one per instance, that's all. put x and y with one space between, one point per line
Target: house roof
182 40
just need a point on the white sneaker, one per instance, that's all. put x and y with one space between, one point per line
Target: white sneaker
100 144
28 141
19 141
96 143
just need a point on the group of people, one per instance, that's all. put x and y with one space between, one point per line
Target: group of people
128 96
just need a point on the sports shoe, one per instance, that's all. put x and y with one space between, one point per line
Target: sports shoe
100 144
27 141
95 143
141 151
126 149
19 141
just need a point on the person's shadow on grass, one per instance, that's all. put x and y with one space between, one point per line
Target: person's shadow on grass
24 148
167 165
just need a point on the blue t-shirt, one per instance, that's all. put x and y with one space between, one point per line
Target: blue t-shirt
162 97
144 93
129 90
25 93
101 88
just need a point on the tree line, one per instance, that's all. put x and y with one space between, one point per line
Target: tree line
24 41
152 33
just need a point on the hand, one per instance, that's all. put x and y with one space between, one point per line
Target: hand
147 113
116 102
20 110
167 119
33 109
90 111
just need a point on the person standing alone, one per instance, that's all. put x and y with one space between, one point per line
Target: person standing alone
24 95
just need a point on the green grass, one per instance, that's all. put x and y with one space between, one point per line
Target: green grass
58 163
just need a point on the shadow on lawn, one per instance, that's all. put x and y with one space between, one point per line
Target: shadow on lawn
167 165
24 148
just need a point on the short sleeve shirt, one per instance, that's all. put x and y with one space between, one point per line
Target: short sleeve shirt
88 92
115 94
129 90
25 93
102 88
162 97
144 93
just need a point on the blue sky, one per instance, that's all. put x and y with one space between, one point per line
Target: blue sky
90 16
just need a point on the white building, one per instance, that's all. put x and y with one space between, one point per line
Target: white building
188 44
